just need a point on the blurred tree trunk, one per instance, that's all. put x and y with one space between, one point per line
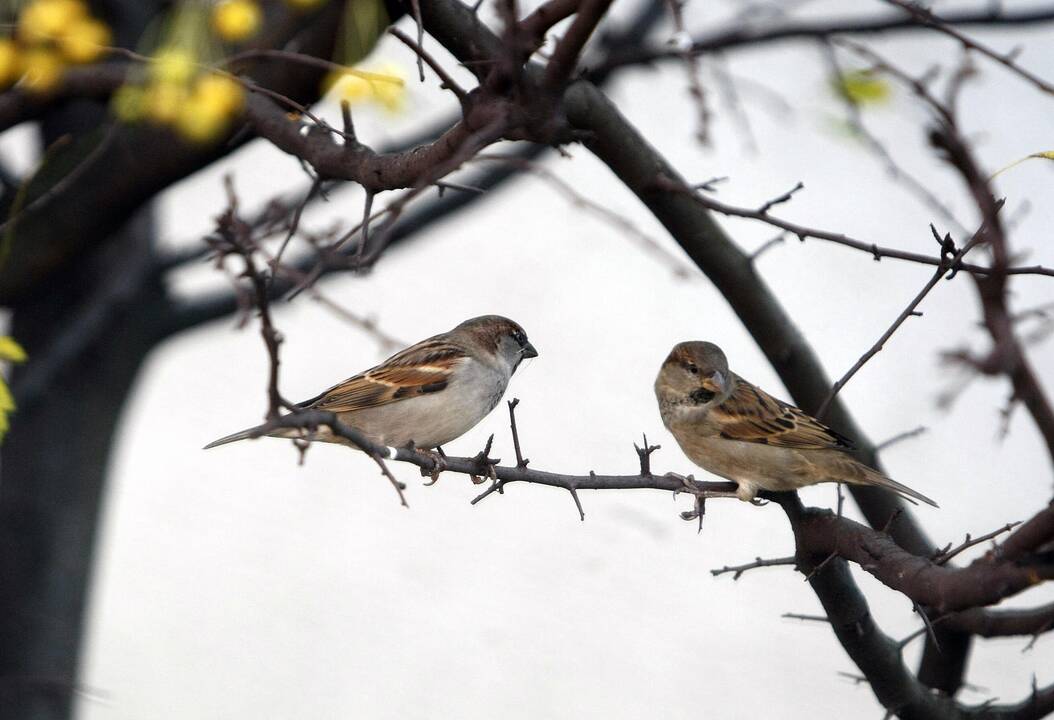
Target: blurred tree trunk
54 468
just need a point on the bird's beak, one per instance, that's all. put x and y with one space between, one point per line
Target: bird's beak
719 382
528 351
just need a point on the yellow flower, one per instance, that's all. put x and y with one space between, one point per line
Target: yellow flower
12 352
163 101
10 63
219 93
206 115
352 88
236 20
43 69
43 20
390 92
173 66
201 121
85 40
383 86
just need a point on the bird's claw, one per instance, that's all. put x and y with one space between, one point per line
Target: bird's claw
686 482
438 465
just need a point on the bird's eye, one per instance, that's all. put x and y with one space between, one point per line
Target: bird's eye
520 337
693 369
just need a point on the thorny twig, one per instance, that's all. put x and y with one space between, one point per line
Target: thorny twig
950 265
942 556
738 570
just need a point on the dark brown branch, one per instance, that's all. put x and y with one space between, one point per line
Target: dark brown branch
999 622
984 582
532 29
879 657
481 466
565 57
375 172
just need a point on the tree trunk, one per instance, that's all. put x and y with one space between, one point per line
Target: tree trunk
54 464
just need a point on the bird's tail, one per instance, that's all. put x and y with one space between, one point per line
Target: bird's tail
242 435
873 477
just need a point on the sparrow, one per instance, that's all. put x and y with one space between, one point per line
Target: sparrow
426 395
736 430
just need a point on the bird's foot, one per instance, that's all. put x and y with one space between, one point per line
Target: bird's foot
486 463
749 494
689 485
438 458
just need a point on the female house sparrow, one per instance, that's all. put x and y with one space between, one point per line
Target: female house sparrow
735 430
430 393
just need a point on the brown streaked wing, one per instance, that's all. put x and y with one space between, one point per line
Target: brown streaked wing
417 370
752 415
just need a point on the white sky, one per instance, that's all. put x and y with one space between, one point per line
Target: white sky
234 583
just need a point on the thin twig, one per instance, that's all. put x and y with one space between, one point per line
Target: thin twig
949 265
445 79
941 557
738 570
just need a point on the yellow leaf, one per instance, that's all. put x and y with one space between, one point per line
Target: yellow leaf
11 350
7 403
7 406
1046 155
863 87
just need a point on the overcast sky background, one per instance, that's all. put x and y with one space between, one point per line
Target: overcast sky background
233 583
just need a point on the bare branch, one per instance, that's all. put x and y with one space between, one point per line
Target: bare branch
738 570
927 17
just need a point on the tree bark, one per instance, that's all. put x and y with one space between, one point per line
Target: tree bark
54 465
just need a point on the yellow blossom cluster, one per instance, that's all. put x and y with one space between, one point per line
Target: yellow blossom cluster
179 87
10 351
199 104
49 36
382 85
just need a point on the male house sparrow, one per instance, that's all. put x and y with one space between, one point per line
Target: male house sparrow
430 393
735 430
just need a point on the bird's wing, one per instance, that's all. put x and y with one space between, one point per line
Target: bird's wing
419 369
752 415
